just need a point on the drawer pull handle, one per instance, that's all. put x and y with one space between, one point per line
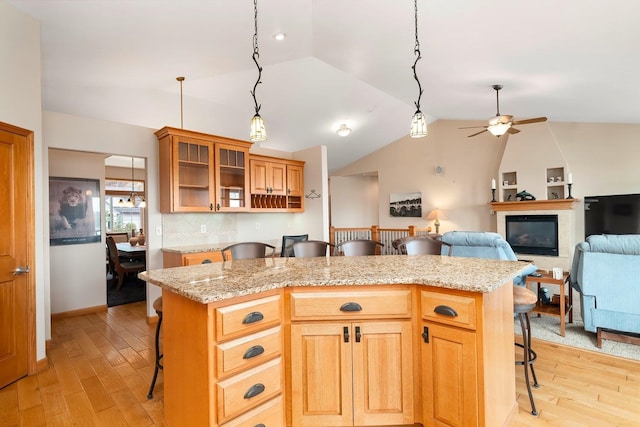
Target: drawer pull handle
253 317
254 351
259 425
445 311
351 306
254 390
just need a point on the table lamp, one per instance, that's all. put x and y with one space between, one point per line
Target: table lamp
436 214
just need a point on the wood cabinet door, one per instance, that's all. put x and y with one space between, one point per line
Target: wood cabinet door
450 376
278 178
321 367
193 178
295 180
259 182
232 178
382 373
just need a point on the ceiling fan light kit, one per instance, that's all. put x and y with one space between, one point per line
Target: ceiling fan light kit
501 124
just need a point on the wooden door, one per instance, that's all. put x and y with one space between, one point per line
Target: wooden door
17 334
450 376
321 381
382 373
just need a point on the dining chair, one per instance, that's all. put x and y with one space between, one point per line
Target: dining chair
358 247
310 248
248 250
120 268
423 245
288 241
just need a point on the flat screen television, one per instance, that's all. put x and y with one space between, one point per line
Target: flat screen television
532 234
614 214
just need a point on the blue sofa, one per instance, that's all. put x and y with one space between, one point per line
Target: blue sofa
481 244
606 273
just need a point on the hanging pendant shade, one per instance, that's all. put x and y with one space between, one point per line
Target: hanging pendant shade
258 132
418 125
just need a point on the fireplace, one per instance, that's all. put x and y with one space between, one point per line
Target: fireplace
532 234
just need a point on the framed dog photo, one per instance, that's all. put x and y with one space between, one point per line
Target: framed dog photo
74 211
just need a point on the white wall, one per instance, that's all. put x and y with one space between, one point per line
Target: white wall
20 105
77 271
461 192
97 136
354 201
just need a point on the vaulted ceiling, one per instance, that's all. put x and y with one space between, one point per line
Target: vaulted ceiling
342 61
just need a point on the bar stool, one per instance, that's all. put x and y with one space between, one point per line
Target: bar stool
524 300
157 306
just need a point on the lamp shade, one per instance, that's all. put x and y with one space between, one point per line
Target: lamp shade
436 214
258 132
418 125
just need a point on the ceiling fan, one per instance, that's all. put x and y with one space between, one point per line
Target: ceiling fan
501 124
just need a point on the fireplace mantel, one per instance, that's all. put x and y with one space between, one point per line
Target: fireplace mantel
534 205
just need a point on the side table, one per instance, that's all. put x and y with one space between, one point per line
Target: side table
566 301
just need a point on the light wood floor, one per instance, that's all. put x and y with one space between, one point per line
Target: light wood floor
101 366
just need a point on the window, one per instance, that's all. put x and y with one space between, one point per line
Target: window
118 216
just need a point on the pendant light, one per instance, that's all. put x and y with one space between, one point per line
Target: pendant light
131 201
258 132
419 121
181 79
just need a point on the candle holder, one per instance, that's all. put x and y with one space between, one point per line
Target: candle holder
493 194
569 196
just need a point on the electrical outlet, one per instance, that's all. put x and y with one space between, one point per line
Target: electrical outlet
158 230
257 226
203 228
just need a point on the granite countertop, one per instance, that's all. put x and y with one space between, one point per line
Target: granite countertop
220 281
192 249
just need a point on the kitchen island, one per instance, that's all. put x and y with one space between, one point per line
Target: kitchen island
338 341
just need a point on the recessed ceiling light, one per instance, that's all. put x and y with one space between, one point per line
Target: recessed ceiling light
343 130
280 36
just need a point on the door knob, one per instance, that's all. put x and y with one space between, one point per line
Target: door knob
21 270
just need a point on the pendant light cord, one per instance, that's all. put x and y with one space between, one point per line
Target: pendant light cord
416 51
256 55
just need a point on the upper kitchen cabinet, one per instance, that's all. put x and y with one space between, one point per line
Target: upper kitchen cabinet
202 173
277 185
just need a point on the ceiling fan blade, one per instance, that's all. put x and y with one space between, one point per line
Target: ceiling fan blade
512 130
477 133
527 121
473 127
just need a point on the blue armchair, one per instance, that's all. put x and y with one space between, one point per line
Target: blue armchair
480 244
606 273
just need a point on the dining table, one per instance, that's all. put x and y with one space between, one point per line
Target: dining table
126 250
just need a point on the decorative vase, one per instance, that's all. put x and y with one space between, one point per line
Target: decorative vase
133 241
141 238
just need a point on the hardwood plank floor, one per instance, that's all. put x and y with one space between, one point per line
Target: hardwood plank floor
101 366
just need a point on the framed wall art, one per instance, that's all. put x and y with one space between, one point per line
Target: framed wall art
406 204
74 211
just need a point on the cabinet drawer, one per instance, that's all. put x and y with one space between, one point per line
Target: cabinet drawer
455 310
271 414
249 389
350 304
247 317
249 351
201 258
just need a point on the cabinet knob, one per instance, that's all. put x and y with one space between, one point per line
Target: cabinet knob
253 317
345 333
425 335
358 336
218 206
210 206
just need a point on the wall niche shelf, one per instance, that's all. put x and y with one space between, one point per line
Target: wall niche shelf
535 205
